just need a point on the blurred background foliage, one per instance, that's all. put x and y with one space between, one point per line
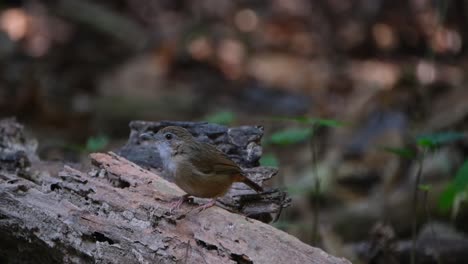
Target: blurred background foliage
344 89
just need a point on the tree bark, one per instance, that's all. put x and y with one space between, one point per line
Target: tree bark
118 212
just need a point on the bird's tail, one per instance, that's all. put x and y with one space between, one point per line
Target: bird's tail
249 182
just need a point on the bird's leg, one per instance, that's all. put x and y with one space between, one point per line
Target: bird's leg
206 205
175 205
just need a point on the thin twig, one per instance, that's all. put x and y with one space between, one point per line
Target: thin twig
415 207
431 226
316 189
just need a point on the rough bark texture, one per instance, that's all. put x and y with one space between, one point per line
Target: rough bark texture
118 213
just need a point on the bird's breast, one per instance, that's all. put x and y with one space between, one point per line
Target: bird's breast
199 184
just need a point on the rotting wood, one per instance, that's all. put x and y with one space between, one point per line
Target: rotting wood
84 217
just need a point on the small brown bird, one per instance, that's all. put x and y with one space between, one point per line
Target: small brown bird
198 168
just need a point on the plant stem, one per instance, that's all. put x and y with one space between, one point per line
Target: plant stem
316 192
434 235
415 207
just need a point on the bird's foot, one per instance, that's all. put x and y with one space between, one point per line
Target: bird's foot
176 204
206 205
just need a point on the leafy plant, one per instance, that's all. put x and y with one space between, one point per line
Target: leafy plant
269 160
305 133
454 189
97 143
312 121
402 152
222 117
425 187
290 136
432 141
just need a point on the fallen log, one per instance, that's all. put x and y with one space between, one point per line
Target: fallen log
118 212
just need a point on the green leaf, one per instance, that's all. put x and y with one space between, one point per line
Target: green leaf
402 152
437 139
290 136
458 185
269 160
447 198
222 118
425 187
328 122
312 121
98 143
461 178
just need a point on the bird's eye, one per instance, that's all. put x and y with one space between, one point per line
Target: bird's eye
168 136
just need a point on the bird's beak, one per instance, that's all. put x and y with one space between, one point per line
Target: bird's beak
147 136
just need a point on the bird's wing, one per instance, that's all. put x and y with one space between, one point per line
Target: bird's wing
214 162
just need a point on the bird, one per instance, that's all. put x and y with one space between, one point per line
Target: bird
198 168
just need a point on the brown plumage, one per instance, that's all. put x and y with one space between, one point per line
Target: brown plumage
198 168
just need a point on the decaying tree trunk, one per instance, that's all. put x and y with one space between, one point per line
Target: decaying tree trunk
118 212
